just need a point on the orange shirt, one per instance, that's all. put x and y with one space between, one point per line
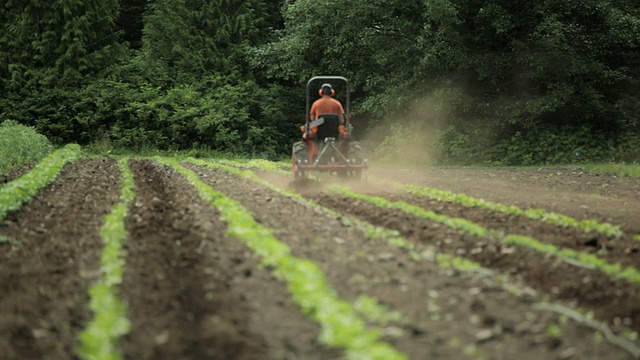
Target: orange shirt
326 105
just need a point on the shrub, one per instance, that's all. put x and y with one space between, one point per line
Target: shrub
20 145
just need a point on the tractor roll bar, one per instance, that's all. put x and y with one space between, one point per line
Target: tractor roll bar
315 78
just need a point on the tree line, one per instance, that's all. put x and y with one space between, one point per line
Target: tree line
498 81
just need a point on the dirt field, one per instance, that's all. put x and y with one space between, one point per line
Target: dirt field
193 291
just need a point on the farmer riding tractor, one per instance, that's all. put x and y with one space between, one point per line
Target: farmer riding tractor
326 145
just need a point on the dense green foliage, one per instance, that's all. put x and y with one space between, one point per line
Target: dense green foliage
20 145
503 82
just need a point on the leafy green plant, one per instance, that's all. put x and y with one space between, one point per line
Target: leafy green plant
463 225
99 340
22 189
20 145
616 270
341 326
7 240
373 311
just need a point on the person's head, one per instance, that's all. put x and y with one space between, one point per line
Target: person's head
327 89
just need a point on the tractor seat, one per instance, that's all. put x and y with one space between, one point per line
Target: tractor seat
330 128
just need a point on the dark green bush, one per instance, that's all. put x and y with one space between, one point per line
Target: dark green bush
536 146
20 145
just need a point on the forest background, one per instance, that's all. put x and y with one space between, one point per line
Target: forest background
502 82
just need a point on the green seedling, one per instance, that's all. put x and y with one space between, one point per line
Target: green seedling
375 312
553 330
466 265
99 340
7 240
464 226
341 325
535 214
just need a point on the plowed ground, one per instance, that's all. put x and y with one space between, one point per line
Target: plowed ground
195 292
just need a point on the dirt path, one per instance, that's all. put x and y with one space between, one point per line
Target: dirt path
44 277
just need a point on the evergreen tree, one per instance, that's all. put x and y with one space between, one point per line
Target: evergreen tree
191 39
502 73
55 41
130 21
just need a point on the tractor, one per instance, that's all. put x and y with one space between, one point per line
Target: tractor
326 145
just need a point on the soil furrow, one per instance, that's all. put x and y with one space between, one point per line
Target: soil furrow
611 300
448 313
194 292
581 195
44 278
610 249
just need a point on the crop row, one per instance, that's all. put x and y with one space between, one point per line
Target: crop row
465 265
342 326
24 188
550 217
535 214
464 226
583 259
341 322
100 338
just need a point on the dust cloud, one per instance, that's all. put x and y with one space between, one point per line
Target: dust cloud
408 139
322 182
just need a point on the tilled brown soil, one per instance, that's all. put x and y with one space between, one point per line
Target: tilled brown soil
610 299
45 275
579 194
474 311
194 292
